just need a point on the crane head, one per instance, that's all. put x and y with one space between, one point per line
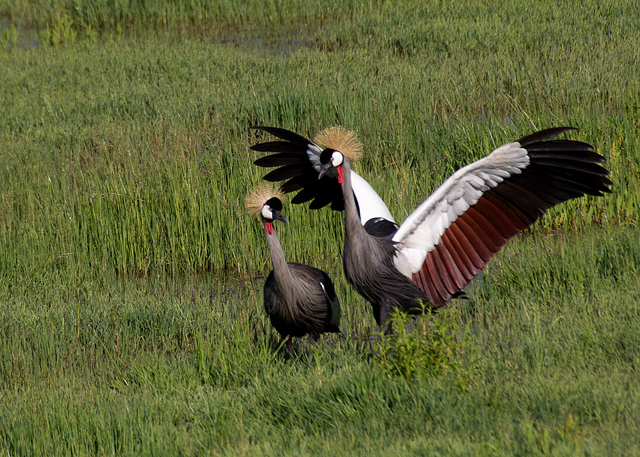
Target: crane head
330 158
265 201
339 143
271 210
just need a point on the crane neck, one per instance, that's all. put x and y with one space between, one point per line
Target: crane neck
281 270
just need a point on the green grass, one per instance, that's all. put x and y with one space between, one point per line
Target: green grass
133 158
552 327
130 275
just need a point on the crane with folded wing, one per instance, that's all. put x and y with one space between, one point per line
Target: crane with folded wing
299 299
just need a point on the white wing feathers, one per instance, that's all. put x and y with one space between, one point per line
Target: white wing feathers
423 229
369 202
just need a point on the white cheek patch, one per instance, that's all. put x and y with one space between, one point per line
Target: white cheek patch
336 159
266 212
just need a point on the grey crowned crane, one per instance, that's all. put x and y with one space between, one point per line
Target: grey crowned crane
451 236
299 299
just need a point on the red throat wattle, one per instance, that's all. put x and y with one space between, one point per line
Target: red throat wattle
268 226
340 174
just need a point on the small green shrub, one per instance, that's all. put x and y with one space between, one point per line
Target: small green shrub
9 38
431 345
61 32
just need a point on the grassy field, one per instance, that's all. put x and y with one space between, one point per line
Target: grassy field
550 357
130 276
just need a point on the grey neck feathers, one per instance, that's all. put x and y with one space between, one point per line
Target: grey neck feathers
281 270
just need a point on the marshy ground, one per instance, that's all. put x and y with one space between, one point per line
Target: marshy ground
131 278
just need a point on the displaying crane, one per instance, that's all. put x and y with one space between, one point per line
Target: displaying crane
450 237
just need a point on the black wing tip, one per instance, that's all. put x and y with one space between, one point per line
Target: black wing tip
256 147
283 134
259 127
578 149
268 129
264 128
264 162
269 146
544 134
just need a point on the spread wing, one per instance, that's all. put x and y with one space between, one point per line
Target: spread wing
297 162
452 235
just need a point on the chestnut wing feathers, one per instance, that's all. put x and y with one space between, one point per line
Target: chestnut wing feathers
449 238
452 235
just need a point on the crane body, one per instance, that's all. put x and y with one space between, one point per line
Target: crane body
453 234
299 299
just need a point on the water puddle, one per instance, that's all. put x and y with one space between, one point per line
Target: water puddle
282 46
18 37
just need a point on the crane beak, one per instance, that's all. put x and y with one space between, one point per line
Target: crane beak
278 215
325 168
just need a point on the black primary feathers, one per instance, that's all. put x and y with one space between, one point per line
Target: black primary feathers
450 238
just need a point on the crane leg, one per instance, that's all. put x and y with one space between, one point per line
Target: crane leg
289 345
373 339
385 324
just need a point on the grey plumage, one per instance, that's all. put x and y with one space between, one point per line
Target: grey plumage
315 309
299 299
451 236
368 264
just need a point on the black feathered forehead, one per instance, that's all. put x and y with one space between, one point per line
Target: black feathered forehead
274 203
325 156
